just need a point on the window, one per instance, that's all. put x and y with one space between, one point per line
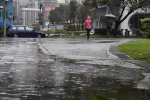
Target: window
29 29
134 22
14 28
20 28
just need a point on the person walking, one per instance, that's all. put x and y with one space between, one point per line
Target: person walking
88 23
108 26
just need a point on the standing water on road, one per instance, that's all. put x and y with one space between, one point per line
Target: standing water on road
26 73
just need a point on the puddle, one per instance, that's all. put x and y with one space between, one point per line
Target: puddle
51 78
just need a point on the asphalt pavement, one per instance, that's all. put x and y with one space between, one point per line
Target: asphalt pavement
93 51
69 69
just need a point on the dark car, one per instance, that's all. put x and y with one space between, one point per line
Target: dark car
23 31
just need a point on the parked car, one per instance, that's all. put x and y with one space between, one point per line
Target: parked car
23 31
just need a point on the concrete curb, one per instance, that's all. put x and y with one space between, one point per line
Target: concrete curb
115 51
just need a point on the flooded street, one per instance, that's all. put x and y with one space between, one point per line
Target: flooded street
68 69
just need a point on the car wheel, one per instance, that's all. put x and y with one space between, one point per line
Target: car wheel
39 36
16 36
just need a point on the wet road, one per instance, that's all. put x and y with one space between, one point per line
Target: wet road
68 69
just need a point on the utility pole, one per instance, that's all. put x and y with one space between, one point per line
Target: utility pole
4 17
40 16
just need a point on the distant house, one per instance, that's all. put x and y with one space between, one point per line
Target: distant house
9 9
131 23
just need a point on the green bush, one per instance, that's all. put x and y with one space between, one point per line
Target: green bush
1 31
64 32
145 27
75 32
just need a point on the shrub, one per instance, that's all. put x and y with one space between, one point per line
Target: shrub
145 27
64 32
1 31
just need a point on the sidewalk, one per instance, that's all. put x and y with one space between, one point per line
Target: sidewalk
94 51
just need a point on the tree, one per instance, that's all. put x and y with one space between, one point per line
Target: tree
73 11
56 15
131 5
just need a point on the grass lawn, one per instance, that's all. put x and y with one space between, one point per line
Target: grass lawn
139 50
91 36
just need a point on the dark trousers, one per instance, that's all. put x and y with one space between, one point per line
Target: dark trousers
108 31
88 33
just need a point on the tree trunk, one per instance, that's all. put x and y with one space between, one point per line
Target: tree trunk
116 28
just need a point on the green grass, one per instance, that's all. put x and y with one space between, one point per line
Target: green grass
84 36
139 50
91 36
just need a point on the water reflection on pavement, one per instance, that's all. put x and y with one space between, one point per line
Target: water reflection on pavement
26 73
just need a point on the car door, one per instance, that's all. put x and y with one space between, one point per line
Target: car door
21 31
30 32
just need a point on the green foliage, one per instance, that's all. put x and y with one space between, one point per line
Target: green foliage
64 32
83 36
1 31
145 27
56 15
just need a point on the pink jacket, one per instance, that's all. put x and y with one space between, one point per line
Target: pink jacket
88 23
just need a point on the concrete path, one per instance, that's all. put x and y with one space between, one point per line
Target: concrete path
94 51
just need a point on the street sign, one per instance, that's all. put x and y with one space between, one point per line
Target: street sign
34 26
10 13
40 18
20 18
3 14
39 14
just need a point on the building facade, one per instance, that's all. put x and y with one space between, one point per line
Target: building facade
29 16
48 6
9 8
29 12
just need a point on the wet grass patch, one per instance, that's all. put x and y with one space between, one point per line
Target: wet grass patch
91 36
138 50
84 36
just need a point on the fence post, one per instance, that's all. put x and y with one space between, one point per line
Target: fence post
60 34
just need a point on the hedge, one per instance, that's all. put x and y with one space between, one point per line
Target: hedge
145 27
64 32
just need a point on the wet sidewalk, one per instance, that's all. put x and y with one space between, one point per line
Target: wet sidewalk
68 69
94 51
